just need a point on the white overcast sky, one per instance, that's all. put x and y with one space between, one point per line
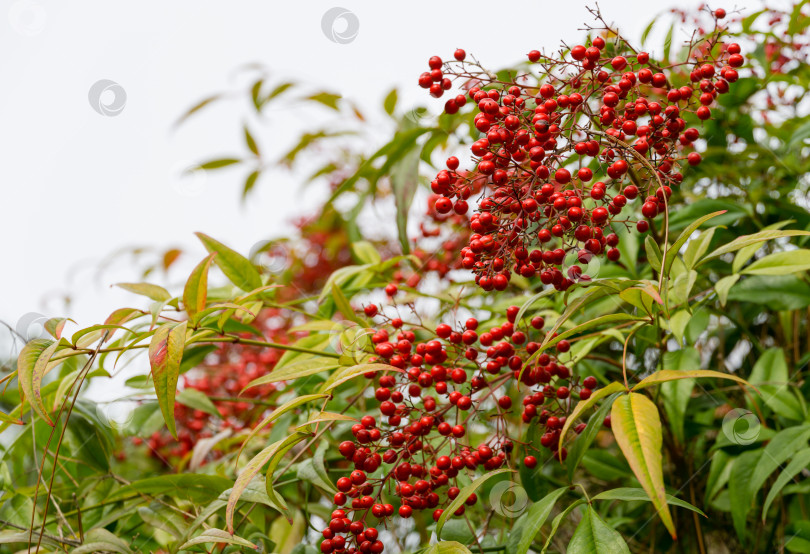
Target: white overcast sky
77 185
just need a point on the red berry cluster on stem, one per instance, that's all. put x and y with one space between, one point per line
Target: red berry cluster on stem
558 164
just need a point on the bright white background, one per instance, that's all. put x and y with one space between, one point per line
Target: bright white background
77 185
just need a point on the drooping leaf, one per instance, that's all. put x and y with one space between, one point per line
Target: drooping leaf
155 292
165 355
631 494
666 375
218 536
637 428
32 364
780 263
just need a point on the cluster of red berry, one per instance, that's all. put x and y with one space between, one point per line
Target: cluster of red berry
539 208
441 379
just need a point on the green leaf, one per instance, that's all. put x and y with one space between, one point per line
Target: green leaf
32 364
534 519
666 375
558 519
779 449
165 355
745 253
697 248
653 253
583 405
218 536
637 428
530 302
673 250
250 182
465 494
677 393
800 461
723 286
349 373
217 164
630 494
197 400
192 487
404 182
390 103
327 99
277 413
236 267
739 491
594 536
770 374
101 540
155 292
446 547
780 263
303 368
366 252
195 293
579 446
253 467
197 107
778 292
747 240
251 142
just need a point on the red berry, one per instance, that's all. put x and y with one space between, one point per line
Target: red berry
530 462
460 54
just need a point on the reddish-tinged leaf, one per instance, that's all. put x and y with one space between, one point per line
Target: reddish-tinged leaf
31 368
195 292
165 355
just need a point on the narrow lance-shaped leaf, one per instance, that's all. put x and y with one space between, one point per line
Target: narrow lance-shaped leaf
31 365
252 469
637 428
666 375
594 536
155 292
195 292
236 267
672 251
165 355
583 405
464 495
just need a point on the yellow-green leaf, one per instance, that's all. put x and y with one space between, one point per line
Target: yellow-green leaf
154 292
665 375
31 368
195 292
236 267
637 428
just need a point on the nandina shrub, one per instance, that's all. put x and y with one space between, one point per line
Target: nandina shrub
610 344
